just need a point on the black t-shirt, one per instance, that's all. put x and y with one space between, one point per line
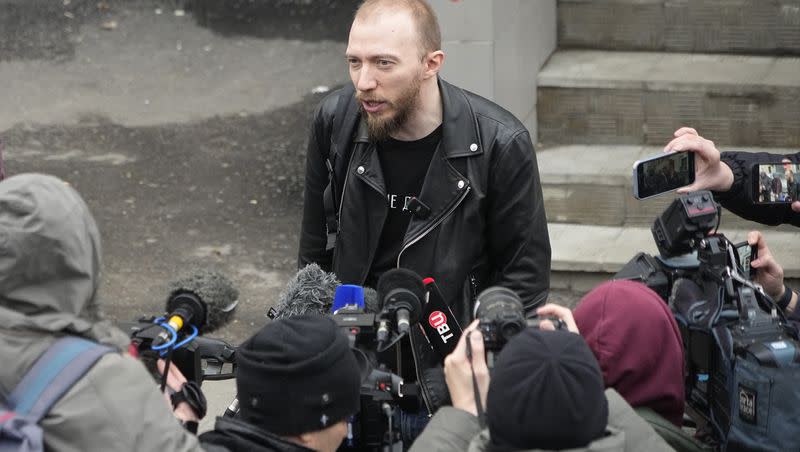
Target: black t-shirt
404 165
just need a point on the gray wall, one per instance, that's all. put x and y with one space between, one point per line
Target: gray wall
496 47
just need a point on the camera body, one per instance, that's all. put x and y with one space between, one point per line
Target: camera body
501 316
381 389
199 359
732 333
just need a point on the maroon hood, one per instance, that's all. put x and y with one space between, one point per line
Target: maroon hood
636 340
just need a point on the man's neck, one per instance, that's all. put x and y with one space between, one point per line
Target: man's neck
426 117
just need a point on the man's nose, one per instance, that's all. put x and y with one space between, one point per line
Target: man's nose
366 81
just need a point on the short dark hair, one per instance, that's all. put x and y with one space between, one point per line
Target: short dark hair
430 36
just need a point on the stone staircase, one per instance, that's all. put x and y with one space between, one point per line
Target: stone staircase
626 74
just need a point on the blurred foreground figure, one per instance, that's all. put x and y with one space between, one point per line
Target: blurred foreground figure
49 275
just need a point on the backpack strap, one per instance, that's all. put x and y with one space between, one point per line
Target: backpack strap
53 374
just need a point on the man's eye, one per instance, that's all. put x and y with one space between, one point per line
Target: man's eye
352 61
384 63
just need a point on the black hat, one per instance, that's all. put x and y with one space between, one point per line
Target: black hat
546 392
297 375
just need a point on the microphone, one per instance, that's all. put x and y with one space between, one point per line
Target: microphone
205 299
442 329
348 297
310 291
399 293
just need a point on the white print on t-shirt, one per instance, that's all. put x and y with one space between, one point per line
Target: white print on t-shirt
393 204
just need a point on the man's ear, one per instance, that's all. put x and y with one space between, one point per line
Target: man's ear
433 62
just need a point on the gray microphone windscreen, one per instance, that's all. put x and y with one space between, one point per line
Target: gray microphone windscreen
310 291
215 290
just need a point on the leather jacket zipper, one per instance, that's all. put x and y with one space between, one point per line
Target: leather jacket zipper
432 226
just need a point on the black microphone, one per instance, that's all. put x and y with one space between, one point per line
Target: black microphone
400 292
442 329
205 299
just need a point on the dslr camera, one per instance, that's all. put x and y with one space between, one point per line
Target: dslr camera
501 316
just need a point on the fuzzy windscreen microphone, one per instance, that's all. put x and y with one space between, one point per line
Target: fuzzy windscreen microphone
208 299
311 291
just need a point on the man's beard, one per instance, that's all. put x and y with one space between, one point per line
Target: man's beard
381 128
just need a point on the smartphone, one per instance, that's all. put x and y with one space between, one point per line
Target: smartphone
662 173
776 182
746 254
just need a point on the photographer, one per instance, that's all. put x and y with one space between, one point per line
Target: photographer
546 393
297 381
49 276
730 176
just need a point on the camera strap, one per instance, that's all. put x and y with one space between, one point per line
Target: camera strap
478 403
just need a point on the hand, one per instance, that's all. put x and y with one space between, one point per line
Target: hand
710 172
796 206
175 380
770 273
458 371
559 312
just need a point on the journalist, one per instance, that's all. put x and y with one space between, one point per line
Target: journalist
636 340
546 392
730 176
297 382
49 276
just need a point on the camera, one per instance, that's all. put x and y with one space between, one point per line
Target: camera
734 336
501 316
199 358
370 335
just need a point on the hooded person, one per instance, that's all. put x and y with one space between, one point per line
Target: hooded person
546 393
635 338
298 381
50 262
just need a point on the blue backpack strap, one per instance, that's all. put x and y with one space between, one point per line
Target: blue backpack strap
53 374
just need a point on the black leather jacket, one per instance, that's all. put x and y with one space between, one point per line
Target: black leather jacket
486 225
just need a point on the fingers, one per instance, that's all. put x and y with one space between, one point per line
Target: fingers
796 206
684 131
478 352
560 312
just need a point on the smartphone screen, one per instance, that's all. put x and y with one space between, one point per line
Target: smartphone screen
746 254
775 183
662 173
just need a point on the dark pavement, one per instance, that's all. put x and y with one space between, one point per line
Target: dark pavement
184 132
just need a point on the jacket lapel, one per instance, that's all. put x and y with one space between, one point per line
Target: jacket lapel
444 184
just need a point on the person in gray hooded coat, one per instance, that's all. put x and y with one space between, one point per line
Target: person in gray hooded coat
49 276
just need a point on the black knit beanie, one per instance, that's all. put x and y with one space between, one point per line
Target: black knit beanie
297 375
546 392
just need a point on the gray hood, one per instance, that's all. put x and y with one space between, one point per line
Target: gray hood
50 260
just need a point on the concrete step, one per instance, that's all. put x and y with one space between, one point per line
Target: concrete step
585 255
709 26
591 185
605 97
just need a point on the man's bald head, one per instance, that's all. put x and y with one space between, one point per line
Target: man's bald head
423 16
